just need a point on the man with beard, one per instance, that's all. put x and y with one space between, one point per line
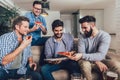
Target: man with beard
93 46
59 42
15 52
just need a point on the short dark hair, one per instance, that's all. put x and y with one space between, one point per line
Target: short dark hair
57 23
18 21
37 2
87 19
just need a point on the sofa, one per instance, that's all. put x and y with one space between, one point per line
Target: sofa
62 74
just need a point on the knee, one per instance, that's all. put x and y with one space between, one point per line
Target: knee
36 76
85 65
3 75
44 69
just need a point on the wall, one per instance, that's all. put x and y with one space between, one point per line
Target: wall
52 15
109 18
68 22
117 23
109 23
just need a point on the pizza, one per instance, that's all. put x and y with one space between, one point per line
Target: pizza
64 53
38 23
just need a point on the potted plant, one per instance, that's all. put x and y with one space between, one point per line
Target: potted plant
6 17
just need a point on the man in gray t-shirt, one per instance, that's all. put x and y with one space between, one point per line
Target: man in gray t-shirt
93 45
59 42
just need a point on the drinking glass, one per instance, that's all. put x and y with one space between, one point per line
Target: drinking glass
76 76
109 75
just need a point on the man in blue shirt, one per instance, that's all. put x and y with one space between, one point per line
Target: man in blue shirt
59 42
15 52
37 24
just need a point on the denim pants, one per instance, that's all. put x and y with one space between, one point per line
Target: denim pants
69 65
13 74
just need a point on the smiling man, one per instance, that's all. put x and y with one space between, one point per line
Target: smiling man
35 29
59 42
15 52
93 46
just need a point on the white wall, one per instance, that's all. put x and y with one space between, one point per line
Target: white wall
117 22
109 23
52 15
109 18
68 22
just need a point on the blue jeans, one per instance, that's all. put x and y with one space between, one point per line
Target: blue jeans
69 65
13 74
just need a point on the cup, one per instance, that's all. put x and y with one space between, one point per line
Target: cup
111 75
26 77
76 76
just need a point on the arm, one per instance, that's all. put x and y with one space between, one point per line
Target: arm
35 27
32 26
43 26
48 51
101 66
12 55
44 30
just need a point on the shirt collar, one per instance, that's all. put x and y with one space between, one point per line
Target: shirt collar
61 39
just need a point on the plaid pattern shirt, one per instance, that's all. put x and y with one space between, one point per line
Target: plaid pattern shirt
8 43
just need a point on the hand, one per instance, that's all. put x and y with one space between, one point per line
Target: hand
76 57
35 27
101 66
72 53
26 41
33 66
39 25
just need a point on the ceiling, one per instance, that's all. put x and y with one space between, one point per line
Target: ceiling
67 6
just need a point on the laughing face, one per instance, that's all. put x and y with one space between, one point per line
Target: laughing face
23 28
87 29
37 8
58 31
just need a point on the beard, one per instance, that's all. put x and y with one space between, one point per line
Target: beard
58 35
88 34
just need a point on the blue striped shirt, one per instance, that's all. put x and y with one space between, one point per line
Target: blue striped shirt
8 43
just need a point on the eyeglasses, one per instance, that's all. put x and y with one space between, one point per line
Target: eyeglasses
37 8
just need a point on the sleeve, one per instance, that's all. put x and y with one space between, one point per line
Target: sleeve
4 49
101 51
81 45
29 51
48 50
72 42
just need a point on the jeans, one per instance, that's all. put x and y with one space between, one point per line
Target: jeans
69 65
13 74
